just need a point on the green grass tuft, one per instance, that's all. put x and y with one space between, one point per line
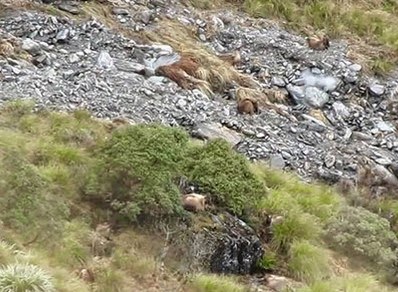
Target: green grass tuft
308 262
25 277
214 283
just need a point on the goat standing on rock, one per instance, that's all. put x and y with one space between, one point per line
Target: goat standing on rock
194 202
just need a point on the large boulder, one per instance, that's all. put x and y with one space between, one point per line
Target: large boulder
220 244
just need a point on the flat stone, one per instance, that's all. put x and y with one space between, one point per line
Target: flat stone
31 47
130 66
376 89
210 131
355 67
385 127
72 9
120 11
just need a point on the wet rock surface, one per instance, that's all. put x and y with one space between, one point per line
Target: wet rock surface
88 65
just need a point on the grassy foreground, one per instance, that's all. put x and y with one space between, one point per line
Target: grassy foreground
62 174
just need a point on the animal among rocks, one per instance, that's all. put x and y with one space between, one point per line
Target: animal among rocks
86 275
248 106
182 72
246 103
194 202
318 42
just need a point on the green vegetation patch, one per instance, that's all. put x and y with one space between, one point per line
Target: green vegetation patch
361 232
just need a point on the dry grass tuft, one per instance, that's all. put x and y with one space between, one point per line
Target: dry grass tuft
217 71
264 98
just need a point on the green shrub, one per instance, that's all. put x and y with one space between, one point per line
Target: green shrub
136 171
25 203
24 278
361 232
225 174
308 262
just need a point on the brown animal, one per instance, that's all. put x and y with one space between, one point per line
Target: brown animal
345 186
104 230
375 178
175 74
233 59
86 275
194 202
259 98
248 106
182 72
318 42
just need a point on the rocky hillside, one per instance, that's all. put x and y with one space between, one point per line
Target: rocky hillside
322 116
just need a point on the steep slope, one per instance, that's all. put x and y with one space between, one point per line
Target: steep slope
332 121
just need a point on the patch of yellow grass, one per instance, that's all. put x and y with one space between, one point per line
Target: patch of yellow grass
216 72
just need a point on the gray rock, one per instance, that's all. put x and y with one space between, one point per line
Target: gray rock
69 8
385 127
31 47
214 130
157 79
63 35
145 16
330 160
278 81
376 89
105 60
340 110
202 37
228 246
120 11
315 97
129 66
276 161
355 67
74 58
297 92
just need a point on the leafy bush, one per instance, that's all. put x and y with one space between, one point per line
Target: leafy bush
24 278
25 204
225 174
308 262
136 172
359 231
